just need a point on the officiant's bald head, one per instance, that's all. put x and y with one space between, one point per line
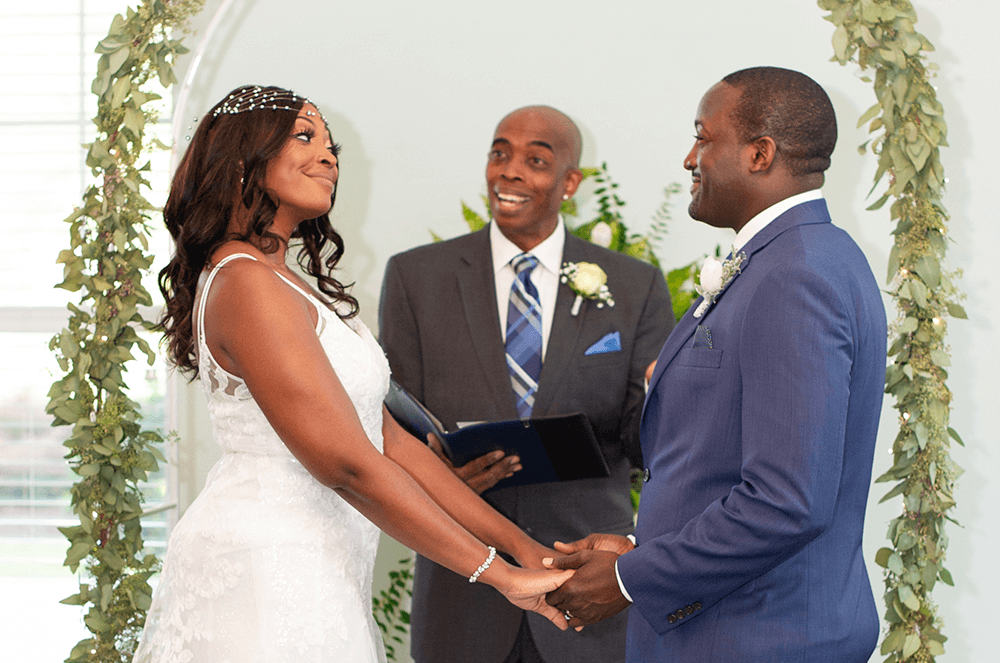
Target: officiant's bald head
532 168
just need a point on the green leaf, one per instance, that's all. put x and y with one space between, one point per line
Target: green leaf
919 292
908 598
954 435
474 220
893 641
88 469
840 41
77 552
877 204
897 490
956 311
929 270
882 557
945 576
934 648
911 645
940 358
895 563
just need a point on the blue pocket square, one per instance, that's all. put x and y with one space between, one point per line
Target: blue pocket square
609 343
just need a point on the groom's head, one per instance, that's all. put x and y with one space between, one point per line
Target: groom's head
762 134
533 166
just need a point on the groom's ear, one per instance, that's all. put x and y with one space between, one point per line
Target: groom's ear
762 152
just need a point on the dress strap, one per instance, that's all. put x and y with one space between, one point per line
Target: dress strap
208 284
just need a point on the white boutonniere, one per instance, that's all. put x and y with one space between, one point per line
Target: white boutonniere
715 276
588 281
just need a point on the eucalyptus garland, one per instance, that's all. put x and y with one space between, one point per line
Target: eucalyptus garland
108 255
909 124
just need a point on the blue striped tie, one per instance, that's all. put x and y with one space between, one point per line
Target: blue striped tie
524 334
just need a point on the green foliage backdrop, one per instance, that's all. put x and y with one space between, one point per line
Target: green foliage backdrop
909 127
108 255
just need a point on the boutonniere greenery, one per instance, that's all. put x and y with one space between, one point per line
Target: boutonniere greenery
587 281
715 276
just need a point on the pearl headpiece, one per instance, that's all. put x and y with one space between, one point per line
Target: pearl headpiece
260 98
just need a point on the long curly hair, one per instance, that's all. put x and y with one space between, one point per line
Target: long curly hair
221 175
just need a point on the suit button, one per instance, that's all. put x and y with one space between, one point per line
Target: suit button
645 474
689 610
696 605
672 618
680 614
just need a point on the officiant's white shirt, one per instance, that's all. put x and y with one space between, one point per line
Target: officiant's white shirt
545 275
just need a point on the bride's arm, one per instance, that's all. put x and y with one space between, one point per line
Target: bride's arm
456 498
261 330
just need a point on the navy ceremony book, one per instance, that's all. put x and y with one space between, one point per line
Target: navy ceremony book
559 448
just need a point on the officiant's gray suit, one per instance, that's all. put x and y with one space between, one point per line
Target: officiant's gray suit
441 331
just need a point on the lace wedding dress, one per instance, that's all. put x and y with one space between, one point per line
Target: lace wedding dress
267 564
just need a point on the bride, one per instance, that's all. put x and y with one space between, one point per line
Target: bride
273 561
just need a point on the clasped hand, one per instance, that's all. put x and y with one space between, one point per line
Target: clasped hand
592 593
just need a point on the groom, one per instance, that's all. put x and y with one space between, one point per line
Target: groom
759 428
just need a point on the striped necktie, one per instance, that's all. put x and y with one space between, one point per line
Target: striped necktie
524 334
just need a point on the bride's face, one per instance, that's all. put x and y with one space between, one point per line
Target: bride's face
301 178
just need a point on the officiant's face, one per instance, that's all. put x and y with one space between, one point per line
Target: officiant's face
531 166
719 171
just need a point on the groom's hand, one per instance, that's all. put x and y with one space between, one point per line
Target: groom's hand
479 473
607 542
592 594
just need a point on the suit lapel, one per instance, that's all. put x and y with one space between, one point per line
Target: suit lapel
478 291
814 211
563 337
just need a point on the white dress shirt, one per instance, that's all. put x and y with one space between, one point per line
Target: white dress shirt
545 275
746 233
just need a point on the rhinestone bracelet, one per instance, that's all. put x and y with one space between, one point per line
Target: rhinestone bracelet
485 565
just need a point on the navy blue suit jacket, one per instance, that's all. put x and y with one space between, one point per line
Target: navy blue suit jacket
758 434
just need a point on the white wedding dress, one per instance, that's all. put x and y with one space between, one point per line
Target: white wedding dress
267 564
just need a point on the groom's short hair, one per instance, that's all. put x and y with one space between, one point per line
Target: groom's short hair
792 109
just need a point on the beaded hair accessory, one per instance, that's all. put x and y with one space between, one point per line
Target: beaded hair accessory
260 98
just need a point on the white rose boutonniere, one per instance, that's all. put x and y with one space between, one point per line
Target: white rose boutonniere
588 281
715 276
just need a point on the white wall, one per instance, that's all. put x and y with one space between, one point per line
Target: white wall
413 93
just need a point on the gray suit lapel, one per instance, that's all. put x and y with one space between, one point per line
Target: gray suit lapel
564 336
478 290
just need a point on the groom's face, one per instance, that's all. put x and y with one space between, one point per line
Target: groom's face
719 162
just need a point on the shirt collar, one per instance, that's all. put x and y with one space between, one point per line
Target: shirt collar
549 252
759 222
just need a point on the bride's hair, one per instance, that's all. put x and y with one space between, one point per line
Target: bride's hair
221 175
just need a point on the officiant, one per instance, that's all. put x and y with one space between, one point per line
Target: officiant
480 328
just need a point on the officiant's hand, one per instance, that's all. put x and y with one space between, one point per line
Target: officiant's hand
479 473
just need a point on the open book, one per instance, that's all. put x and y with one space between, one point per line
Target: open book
559 448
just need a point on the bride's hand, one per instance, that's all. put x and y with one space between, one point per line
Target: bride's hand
526 588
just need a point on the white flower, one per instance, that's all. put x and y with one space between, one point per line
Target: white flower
601 234
588 279
710 278
714 278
